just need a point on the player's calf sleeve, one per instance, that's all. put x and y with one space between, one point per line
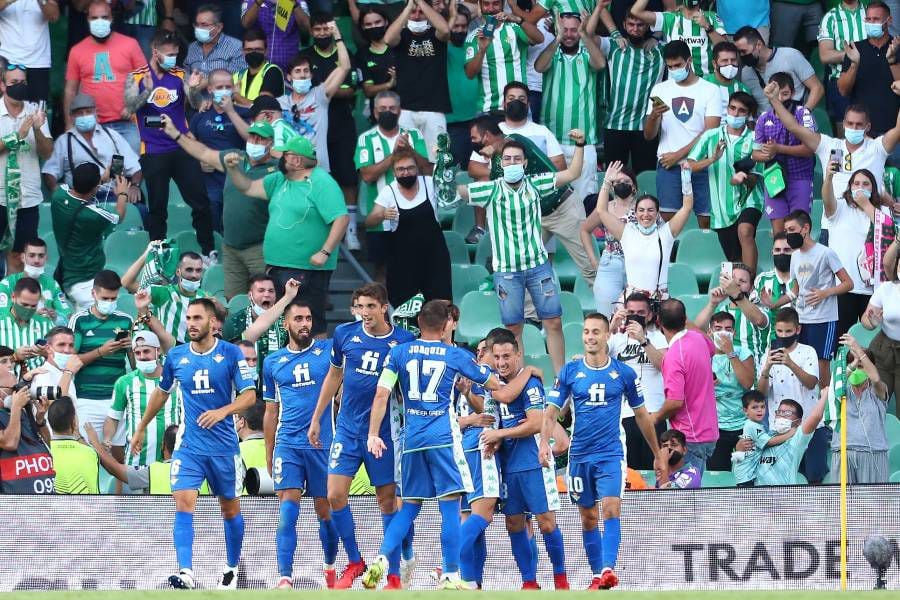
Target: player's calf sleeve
396 526
286 537
183 534
328 535
343 522
406 550
234 539
450 534
521 550
469 533
553 541
612 534
593 547
480 557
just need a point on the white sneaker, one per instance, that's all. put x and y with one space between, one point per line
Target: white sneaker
184 580
229 579
285 583
406 570
210 259
351 240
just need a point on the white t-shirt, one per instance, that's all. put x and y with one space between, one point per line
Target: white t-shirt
536 80
51 379
646 267
688 107
870 155
848 228
629 351
309 118
887 298
29 165
390 197
784 385
25 35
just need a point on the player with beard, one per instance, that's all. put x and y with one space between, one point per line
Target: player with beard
292 380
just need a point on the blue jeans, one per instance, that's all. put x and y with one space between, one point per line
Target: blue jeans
129 131
814 465
698 453
215 192
610 282
668 190
541 285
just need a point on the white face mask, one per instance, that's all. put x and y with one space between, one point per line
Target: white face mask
720 336
189 286
418 26
106 307
258 310
728 71
61 359
782 425
146 366
33 272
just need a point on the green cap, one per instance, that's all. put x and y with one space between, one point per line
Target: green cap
857 377
262 129
298 145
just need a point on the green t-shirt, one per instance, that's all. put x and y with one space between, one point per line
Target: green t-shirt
778 465
98 379
729 391
465 93
244 218
300 218
745 470
170 306
52 296
79 230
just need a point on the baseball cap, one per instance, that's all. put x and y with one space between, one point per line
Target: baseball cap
82 101
264 103
145 338
298 145
262 129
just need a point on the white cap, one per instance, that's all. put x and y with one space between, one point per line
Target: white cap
145 338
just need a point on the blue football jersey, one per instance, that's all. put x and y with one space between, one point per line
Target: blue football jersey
521 454
597 396
362 357
472 435
426 372
294 379
207 381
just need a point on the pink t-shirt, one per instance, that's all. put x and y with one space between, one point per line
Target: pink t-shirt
101 71
687 376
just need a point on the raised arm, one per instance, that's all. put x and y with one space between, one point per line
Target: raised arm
392 34
573 171
892 136
253 188
611 222
680 219
639 10
545 58
829 202
197 149
339 74
809 138
596 59
441 27
264 321
130 278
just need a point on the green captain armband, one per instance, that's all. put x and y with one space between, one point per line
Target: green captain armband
388 379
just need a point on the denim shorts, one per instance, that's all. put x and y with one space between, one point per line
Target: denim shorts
668 190
540 283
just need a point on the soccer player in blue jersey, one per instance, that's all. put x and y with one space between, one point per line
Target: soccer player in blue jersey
529 486
216 383
597 385
433 464
292 378
358 353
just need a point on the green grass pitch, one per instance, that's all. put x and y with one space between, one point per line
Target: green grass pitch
433 595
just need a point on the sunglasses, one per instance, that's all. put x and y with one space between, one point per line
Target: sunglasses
14 67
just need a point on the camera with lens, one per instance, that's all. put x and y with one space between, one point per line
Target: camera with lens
50 392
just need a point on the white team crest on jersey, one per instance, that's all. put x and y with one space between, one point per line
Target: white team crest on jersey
580 375
614 375
356 339
317 351
392 343
218 358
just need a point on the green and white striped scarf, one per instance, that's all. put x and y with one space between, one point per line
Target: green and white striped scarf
837 391
13 187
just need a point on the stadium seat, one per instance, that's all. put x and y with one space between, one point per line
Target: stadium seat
571 308
895 477
122 248
682 280
566 269
542 362
572 335
764 245
463 219
45 220
693 304
717 479
480 313
892 428
52 249
894 458
700 249
585 295
646 182
863 336
125 303
187 240
214 280
533 340
179 218
483 251
456 244
132 218
465 278
238 303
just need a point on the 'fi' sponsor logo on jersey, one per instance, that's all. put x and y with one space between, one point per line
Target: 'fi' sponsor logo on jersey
201 382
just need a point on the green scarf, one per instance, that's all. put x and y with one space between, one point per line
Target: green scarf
13 187
837 392
444 176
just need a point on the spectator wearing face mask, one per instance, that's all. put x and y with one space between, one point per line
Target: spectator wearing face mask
778 465
842 24
866 396
771 285
688 23
20 325
682 475
725 75
54 305
261 76
464 92
61 364
374 59
753 439
211 48
884 310
279 43
25 31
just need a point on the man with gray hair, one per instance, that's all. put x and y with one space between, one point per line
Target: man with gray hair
374 151
213 49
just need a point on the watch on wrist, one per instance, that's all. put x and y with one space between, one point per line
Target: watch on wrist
644 344
732 354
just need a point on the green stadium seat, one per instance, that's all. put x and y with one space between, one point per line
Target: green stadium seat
52 249
863 336
764 245
585 295
214 280
894 458
122 248
463 219
572 335
179 218
480 312
700 249
800 479
466 278
682 280
892 428
132 218
533 340
542 362
895 477
646 182
45 220
717 479
571 308
483 251
566 269
125 303
456 245
693 304
187 240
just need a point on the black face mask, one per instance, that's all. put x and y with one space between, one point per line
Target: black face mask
406 181
281 165
675 458
373 34
387 120
636 40
787 341
457 38
17 91
622 190
782 262
255 59
324 43
516 110
794 240
477 146
750 60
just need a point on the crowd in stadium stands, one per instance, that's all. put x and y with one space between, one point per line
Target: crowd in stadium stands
719 180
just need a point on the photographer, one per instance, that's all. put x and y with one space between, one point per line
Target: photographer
60 366
23 438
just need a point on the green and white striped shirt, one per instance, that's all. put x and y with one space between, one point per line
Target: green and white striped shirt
842 25
514 220
727 201
675 26
146 16
130 398
570 95
747 335
16 334
769 281
170 305
568 6
632 73
52 297
504 61
735 85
